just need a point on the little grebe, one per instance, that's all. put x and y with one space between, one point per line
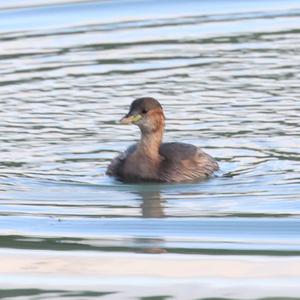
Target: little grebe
151 160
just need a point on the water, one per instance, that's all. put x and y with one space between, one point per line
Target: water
227 74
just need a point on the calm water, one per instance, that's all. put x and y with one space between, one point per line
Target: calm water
228 76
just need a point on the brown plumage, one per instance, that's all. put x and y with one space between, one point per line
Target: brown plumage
151 160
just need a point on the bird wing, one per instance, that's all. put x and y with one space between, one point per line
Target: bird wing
185 162
178 151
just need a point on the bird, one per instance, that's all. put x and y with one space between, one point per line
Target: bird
150 160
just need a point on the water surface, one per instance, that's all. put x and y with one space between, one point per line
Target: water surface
227 75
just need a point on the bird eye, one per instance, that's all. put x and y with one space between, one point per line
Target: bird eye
144 111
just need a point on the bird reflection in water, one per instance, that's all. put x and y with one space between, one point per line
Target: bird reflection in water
152 206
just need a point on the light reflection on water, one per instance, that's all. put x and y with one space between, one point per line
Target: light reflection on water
227 74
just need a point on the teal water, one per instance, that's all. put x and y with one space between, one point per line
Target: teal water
227 74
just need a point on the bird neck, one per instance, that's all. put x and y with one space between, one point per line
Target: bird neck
150 142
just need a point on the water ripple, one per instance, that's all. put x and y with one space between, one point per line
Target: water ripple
228 78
